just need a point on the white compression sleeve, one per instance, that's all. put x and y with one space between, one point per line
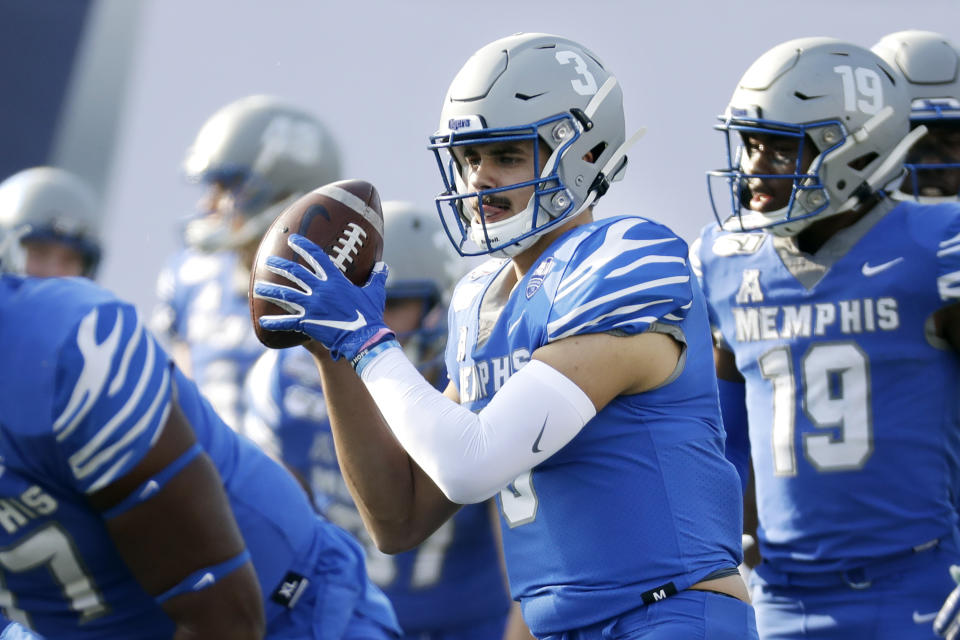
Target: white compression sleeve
472 456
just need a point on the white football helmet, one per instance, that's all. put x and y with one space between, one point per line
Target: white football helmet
268 153
537 87
50 204
931 65
840 98
423 266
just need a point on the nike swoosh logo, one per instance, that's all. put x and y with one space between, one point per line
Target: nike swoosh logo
206 580
872 271
536 443
921 618
149 490
352 325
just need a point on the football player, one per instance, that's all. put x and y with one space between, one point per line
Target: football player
128 509
835 316
582 393
451 586
255 156
931 66
57 219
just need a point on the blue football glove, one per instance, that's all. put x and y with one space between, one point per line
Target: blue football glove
947 622
344 318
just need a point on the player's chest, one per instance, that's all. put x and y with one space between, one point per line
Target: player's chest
765 298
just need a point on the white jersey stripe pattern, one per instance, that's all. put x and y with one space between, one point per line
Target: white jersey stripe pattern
92 377
615 277
111 417
121 376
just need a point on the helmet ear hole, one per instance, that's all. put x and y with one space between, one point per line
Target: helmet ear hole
859 164
594 154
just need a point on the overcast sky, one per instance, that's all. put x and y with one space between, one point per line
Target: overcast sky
376 73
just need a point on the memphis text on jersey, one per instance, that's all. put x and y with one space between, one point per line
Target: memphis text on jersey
854 316
32 503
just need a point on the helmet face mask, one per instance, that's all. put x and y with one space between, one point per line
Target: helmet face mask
264 153
548 203
933 165
931 66
539 90
799 175
838 100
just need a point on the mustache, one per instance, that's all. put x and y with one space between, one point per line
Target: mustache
494 200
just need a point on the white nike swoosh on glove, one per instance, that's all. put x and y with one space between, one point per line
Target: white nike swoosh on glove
352 325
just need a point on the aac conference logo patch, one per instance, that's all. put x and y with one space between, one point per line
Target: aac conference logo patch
536 278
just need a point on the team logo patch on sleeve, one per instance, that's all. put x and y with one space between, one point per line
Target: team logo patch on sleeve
536 278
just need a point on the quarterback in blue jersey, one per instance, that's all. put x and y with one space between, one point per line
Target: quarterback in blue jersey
835 315
582 390
128 509
254 156
451 586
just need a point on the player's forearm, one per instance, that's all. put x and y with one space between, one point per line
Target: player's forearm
472 456
399 504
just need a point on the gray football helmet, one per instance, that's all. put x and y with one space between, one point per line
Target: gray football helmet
50 204
931 65
423 266
840 98
268 153
539 87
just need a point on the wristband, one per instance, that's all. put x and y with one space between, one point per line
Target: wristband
366 355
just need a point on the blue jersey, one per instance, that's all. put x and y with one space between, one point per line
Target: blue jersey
641 501
852 399
450 581
203 304
84 392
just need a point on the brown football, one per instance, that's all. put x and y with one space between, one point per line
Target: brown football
344 218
